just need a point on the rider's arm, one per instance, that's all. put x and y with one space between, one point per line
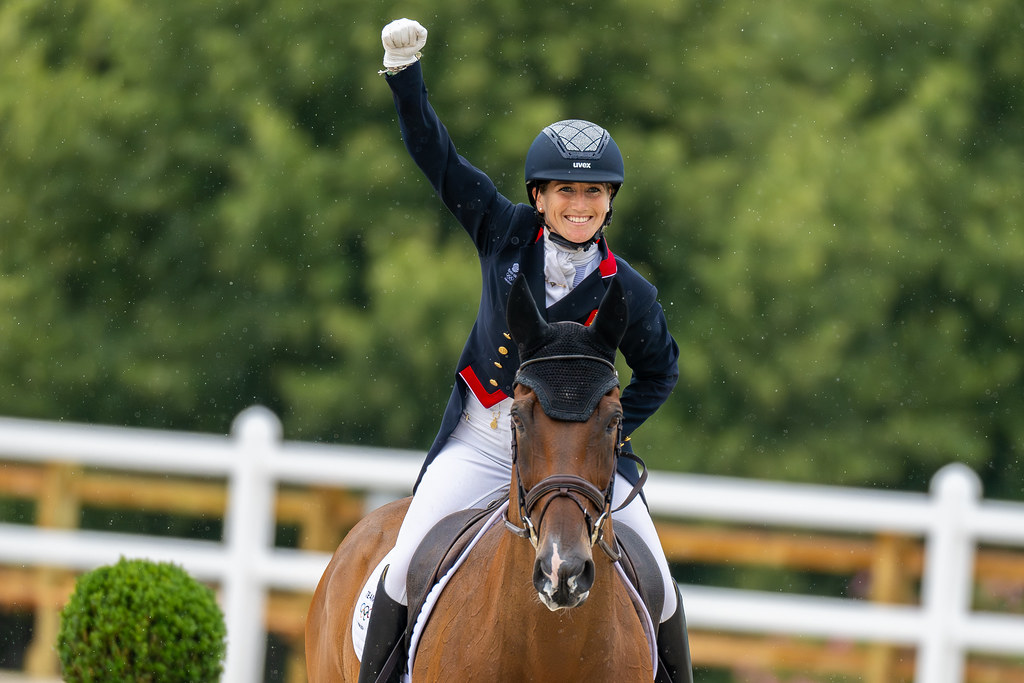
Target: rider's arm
467 192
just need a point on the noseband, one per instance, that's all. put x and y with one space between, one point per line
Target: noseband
572 486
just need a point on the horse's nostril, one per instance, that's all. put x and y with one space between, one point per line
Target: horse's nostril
576 578
541 576
566 586
586 577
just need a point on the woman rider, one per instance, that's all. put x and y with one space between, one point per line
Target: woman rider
573 171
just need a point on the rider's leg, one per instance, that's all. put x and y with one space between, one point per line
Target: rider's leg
383 632
468 472
674 664
459 478
673 642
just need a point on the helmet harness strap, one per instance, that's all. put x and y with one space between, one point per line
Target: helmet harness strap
558 239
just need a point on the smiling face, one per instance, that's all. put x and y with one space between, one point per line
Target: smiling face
575 211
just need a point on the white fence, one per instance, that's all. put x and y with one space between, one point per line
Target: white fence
952 519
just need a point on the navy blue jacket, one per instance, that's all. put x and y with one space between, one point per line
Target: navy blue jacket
509 241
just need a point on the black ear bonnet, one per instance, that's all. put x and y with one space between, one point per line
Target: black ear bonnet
569 366
572 378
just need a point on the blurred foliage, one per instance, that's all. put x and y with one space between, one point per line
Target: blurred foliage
205 205
139 621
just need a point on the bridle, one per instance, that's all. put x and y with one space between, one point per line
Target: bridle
572 486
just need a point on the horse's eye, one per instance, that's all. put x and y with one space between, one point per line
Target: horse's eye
517 422
613 424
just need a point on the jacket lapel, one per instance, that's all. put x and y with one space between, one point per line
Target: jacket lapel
533 266
581 303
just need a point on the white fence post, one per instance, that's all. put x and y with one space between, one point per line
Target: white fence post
953 520
249 534
948 581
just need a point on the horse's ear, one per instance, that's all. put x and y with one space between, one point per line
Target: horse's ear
612 316
522 315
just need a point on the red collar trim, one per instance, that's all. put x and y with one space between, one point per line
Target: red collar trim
486 398
608 266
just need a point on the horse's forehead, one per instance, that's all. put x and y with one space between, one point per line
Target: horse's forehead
569 369
569 389
525 395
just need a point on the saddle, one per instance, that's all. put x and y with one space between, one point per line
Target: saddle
638 563
446 542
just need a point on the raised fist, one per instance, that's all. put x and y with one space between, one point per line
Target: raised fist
402 40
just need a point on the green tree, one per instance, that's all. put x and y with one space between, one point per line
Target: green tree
208 205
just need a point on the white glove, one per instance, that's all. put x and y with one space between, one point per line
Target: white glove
403 39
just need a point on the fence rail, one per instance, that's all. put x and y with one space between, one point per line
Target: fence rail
952 521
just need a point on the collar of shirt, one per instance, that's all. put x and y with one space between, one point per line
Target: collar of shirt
564 268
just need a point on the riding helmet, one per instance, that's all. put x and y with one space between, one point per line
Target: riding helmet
574 151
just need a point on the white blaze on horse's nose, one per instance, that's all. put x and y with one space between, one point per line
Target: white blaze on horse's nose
556 562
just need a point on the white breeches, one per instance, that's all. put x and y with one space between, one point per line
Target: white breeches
471 470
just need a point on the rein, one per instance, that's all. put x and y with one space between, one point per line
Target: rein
572 486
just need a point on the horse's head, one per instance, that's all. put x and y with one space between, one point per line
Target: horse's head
566 420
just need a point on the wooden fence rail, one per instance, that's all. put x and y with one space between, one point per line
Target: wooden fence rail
703 522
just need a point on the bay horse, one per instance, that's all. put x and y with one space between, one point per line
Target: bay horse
549 608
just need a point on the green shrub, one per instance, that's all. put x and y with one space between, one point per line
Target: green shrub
140 621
